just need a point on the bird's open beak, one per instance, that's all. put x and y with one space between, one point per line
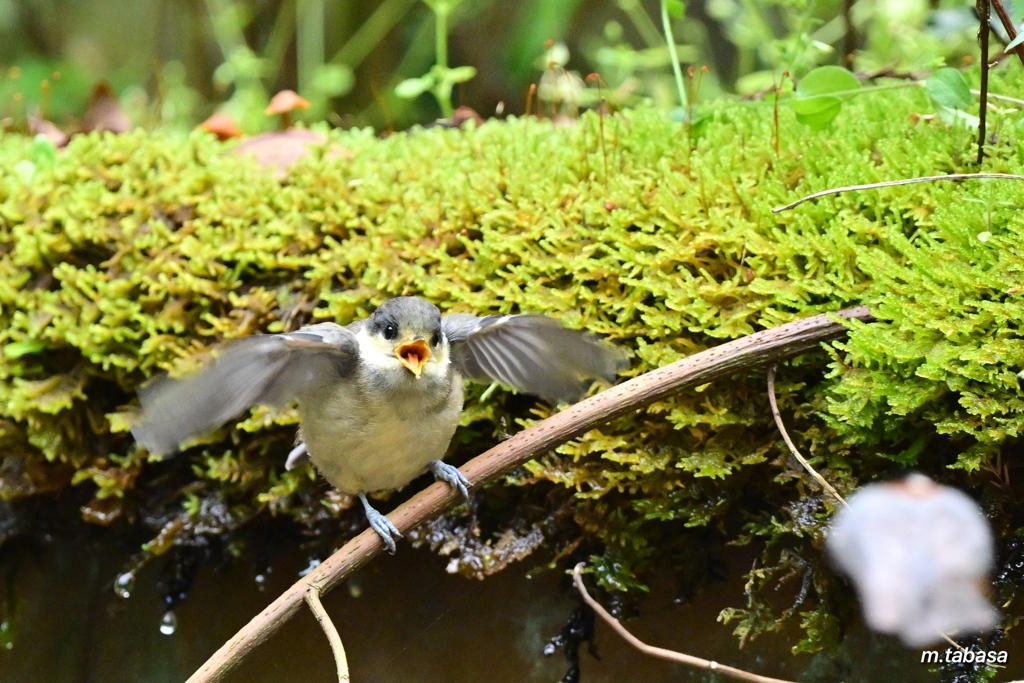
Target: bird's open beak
414 355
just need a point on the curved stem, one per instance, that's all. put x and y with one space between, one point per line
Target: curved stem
660 652
340 660
789 442
441 38
443 89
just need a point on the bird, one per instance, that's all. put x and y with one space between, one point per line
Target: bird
378 399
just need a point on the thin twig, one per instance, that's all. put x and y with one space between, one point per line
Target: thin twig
850 37
322 618
951 641
1001 98
1011 30
807 466
985 13
660 652
896 183
740 355
789 442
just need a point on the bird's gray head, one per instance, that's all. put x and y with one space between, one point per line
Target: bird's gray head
407 329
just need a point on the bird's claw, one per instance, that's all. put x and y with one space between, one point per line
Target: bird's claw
451 475
387 531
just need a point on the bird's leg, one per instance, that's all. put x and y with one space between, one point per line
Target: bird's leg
295 456
450 474
387 531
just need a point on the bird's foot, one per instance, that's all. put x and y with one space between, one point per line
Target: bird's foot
387 531
296 456
451 475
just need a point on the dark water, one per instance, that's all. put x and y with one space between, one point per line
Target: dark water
402 619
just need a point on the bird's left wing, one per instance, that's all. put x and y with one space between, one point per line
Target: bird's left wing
531 353
272 369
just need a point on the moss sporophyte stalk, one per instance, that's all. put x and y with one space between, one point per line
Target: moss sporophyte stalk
124 255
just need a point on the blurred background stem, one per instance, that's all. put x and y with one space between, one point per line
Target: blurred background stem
372 32
310 23
677 71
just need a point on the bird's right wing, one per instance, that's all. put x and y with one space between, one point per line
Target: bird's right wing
531 353
271 369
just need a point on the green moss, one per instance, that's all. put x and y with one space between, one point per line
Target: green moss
126 255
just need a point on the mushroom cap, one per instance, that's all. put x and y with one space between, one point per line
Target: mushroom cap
221 125
286 101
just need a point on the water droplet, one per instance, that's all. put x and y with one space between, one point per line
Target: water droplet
554 645
355 586
168 623
125 584
314 562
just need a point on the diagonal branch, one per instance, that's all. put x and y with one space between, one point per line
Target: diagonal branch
1011 30
753 351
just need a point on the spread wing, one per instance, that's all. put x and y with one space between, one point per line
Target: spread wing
271 369
531 353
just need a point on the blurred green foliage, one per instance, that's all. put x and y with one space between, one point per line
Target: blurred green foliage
441 78
126 255
174 63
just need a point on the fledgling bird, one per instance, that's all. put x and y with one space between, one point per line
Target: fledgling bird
379 399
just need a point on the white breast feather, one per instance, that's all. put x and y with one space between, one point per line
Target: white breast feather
365 440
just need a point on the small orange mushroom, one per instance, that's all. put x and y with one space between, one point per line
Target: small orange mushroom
221 125
284 103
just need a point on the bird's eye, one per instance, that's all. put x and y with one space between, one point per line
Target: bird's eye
436 339
390 331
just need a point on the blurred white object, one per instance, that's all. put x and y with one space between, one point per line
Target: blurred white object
919 555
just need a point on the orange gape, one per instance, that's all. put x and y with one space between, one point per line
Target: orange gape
413 355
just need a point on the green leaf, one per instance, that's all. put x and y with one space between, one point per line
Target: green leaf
24 348
412 88
675 8
948 88
826 80
816 112
332 80
43 151
460 74
697 124
814 101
